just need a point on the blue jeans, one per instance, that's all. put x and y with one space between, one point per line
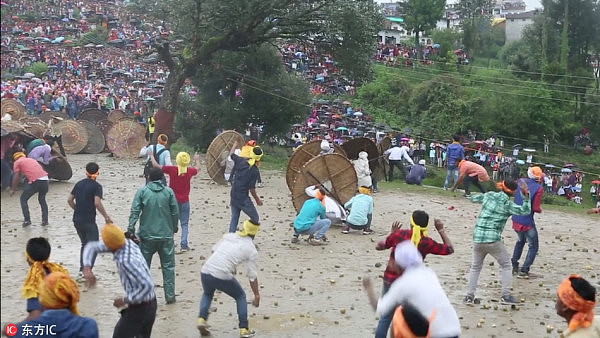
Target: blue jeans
184 219
248 208
232 288
452 171
320 227
384 321
531 237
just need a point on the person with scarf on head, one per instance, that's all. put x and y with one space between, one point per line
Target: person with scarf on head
363 172
419 286
85 198
246 152
179 180
487 235
159 151
138 307
361 212
575 302
218 273
37 182
524 225
156 208
419 236
312 220
58 296
243 184
37 253
333 210
408 322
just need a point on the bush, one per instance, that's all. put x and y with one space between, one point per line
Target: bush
37 68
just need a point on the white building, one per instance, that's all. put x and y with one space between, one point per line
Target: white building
516 22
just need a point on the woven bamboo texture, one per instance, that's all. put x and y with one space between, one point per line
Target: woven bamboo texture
13 107
218 150
303 154
125 138
96 141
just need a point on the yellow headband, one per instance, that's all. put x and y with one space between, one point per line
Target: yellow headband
18 155
248 229
254 157
417 232
182 160
364 190
35 276
59 291
112 236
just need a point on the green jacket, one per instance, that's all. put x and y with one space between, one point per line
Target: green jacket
159 212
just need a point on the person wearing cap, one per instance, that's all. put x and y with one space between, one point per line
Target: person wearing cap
416 173
420 286
419 236
312 220
454 154
470 172
155 206
218 273
361 212
56 133
575 302
138 306
395 155
58 296
496 207
524 225
180 177
37 182
243 182
85 198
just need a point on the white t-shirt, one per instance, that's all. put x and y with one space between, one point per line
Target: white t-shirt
421 287
232 250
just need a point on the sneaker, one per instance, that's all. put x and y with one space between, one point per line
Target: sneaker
523 275
466 195
26 224
325 239
45 223
508 300
295 239
367 232
515 271
346 230
245 333
203 327
317 241
469 300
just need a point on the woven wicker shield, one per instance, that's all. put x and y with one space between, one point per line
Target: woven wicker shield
34 126
96 142
116 115
74 136
12 126
218 150
58 168
333 171
12 107
125 138
302 155
92 114
358 144
46 116
384 165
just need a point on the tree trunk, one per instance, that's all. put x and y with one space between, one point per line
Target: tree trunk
165 117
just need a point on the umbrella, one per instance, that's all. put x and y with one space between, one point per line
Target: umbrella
341 128
566 170
89 45
549 166
358 113
115 41
520 162
346 102
568 165
518 145
595 182
529 150
68 41
29 75
64 19
296 125
36 79
436 45
99 46
149 99
478 142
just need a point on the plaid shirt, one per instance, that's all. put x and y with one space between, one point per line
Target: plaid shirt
426 246
495 210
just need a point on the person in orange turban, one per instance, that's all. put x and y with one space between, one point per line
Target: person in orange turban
575 302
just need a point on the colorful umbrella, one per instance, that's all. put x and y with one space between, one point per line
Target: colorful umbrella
520 162
568 165
596 182
566 170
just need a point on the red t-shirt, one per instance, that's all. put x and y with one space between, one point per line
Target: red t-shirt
32 170
180 184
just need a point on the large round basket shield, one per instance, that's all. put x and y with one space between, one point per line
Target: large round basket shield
74 136
58 168
47 115
34 126
333 171
218 150
303 154
12 107
358 144
92 114
12 126
116 115
384 165
125 138
96 141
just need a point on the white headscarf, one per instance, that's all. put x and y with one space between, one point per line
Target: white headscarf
406 255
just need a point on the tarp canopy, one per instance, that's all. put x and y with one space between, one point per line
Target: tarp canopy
394 19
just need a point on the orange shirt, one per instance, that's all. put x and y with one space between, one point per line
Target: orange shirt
468 168
32 170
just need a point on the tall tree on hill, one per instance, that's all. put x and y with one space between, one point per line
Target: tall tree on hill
422 15
204 28
475 18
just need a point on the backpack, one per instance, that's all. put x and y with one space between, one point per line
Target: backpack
148 164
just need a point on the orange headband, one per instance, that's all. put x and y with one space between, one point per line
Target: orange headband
401 329
92 176
162 139
500 185
584 309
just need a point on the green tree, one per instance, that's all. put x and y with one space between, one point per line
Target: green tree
37 68
422 15
475 19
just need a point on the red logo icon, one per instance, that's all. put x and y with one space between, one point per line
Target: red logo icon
10 330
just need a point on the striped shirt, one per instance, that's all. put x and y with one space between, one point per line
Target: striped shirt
133 270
